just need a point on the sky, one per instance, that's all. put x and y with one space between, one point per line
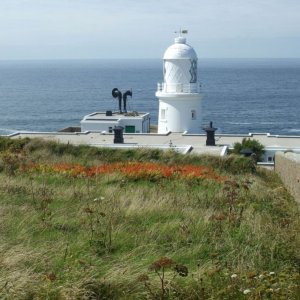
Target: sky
92 29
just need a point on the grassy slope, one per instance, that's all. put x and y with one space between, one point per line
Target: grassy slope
95 238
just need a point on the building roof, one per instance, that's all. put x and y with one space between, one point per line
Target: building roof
102 116
169 140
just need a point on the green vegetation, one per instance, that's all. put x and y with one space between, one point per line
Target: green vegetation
114 236
254 145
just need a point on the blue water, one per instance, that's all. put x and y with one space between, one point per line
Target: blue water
240 96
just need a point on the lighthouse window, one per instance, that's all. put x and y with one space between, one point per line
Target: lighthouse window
193 114
163 114
165 71
193 71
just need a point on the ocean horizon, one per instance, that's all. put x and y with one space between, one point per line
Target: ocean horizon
239 95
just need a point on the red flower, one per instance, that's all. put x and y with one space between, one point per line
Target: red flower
134 170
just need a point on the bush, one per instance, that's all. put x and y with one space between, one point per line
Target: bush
253 145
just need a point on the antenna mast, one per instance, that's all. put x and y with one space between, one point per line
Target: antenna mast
181 32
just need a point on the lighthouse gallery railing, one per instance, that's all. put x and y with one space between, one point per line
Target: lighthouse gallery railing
178 87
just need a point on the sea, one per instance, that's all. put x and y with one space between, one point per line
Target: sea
239 95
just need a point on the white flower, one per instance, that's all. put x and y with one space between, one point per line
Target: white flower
247 291
272 273
97 199
261 276
234 276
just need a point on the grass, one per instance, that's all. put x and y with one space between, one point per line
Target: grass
114 236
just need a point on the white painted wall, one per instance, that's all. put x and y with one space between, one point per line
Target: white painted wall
96 126
142 125
180 114
270 152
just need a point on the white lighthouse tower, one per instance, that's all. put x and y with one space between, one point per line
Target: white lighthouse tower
179 97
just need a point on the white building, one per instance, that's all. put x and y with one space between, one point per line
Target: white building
133 122
179 97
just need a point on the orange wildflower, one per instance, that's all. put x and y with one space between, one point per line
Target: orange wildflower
134 170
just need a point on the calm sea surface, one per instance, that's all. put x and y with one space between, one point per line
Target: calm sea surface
240 96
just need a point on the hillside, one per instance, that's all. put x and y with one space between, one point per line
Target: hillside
88 223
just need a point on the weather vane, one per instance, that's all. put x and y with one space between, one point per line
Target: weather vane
181 31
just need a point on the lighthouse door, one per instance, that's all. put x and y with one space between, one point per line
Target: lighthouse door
129 129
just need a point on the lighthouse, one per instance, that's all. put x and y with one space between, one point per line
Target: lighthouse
179 95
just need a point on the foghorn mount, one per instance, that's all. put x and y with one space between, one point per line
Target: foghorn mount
118 94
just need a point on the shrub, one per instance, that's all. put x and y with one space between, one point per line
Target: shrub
253 145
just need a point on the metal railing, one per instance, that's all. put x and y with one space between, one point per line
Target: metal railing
178 87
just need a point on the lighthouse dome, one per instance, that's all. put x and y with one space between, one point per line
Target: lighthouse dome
180 66
180 50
